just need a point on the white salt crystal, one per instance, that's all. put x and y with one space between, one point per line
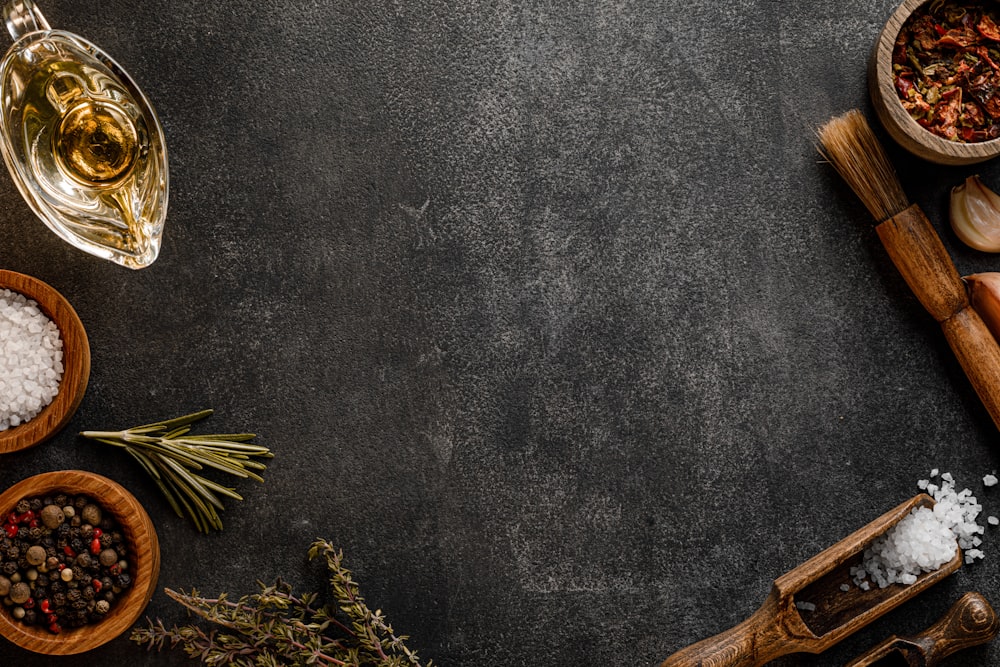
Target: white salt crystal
990 480
993 521
30 359
805 606
925 539
845 587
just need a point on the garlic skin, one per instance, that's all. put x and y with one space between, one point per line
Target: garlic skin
975 215
984 295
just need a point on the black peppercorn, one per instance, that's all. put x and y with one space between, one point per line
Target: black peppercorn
53 565
22 507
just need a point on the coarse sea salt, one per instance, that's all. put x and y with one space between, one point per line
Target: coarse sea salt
925 539
31 353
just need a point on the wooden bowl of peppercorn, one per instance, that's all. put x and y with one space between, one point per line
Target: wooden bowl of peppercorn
934 80
130 534
75 361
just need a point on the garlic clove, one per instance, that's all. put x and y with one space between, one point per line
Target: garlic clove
975 215
984 295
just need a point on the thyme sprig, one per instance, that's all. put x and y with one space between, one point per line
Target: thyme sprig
171 455
275 627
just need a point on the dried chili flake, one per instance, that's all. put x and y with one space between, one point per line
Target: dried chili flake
946 71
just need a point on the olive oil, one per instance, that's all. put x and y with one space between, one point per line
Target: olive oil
83 145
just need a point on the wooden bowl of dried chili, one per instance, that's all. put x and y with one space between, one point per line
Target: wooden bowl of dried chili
934 78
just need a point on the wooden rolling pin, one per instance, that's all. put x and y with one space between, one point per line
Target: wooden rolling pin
916 250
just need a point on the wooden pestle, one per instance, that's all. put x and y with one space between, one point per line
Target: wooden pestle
917 251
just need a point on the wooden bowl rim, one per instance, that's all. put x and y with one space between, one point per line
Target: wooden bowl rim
144 562
76 363
940 149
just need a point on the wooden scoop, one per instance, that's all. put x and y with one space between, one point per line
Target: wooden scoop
971 621
780 627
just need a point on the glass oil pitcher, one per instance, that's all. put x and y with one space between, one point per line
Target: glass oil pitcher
81 141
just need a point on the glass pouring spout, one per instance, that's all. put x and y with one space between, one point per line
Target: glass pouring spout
81 141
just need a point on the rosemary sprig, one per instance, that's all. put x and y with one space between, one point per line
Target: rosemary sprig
170 455
276 627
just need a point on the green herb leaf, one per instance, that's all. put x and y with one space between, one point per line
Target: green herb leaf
170 455
276 627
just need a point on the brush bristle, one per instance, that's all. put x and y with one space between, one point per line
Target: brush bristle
852 148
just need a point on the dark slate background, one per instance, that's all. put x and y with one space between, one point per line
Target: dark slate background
551 314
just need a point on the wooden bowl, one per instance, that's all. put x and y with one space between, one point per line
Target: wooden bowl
76 364
144 562
900 125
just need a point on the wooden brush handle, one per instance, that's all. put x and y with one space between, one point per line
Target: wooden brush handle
756 641
971 621
921 258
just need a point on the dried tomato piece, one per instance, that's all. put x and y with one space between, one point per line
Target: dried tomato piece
973 114
920 110
985 89
988 29
925 36
984 54
947 111
958 38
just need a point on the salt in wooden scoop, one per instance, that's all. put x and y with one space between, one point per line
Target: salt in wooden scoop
780 627
971 621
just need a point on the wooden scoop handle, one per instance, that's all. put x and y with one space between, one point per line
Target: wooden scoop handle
925 265
756 641
971 621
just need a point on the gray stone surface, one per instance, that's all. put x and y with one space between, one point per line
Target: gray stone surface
551 314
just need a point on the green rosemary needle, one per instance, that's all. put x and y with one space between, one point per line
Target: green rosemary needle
170 455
